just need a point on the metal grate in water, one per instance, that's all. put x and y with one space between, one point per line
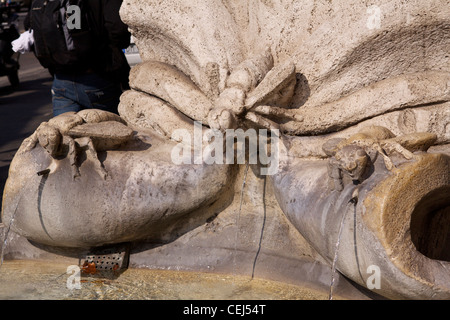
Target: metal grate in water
106 261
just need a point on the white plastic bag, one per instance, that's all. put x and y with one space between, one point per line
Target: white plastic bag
24 42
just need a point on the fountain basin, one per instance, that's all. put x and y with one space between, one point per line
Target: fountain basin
43 280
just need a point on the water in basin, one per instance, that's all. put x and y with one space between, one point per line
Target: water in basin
42 280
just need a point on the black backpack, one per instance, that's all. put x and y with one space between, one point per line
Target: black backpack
60 44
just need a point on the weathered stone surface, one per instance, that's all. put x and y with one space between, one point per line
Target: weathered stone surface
382 228
321 72
138 200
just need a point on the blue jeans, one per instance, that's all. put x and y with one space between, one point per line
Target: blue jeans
84 91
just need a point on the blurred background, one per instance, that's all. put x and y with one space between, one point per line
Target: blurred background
25 102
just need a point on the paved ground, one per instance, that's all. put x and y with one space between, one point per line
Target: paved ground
22 110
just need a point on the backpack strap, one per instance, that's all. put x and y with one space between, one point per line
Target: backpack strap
67 36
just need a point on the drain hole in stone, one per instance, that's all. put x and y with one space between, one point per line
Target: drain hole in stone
430 225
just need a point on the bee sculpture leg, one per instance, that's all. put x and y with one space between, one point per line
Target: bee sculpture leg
335 173
72 154
370 144
392 146
87 143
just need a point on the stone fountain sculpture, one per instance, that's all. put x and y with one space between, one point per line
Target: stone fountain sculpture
360 97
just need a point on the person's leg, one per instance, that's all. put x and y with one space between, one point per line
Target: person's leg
97 92
64 95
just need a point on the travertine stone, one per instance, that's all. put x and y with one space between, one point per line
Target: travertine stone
360 94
